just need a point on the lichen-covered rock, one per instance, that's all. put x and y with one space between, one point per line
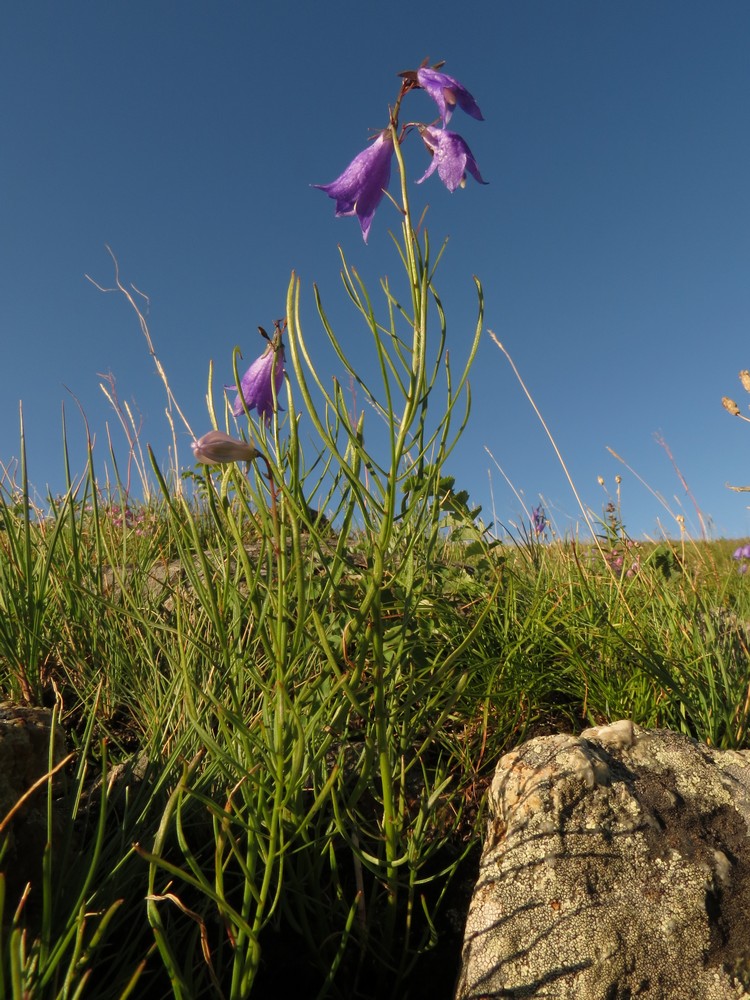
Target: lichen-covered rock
617 865
25 735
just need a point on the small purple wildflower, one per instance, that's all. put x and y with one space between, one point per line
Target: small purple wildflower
741 554
126 517
256 384
447 92
635 568
217 448
359 190
451 157
538 520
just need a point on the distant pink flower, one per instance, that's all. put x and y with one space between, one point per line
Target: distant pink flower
740 554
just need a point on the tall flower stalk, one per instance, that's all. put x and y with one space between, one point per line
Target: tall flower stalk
395 499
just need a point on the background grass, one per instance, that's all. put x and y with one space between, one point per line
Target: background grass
222 828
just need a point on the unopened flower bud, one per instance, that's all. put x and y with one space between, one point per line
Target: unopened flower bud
745 379
218 448
730 405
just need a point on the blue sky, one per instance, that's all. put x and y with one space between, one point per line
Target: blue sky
612 241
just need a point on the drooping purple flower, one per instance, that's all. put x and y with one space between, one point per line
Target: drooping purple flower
359 190
256 384
451 157
743 552
447 92
217 448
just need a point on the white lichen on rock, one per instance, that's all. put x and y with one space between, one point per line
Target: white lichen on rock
616 864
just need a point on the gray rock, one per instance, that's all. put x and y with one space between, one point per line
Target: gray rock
616 865
25 734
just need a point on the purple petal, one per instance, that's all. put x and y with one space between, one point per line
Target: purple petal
451 157
447 92
359 190
255 384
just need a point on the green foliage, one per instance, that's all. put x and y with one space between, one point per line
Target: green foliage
270 756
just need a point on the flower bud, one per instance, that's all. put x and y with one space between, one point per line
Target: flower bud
730 405
745 379
218 448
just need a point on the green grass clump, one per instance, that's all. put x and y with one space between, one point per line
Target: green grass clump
276 775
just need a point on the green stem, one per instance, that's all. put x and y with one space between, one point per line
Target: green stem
372 600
